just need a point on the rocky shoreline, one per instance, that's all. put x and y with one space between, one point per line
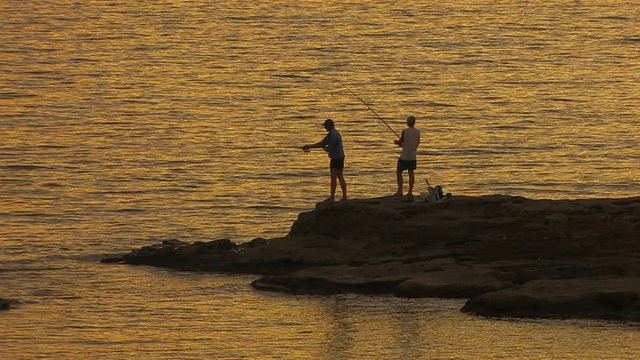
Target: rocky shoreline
509 256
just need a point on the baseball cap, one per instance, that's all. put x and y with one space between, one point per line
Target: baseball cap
327 122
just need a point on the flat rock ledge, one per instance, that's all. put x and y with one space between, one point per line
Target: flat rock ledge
509 256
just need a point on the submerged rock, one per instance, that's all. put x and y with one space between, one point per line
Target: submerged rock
597 298
510 256
4 304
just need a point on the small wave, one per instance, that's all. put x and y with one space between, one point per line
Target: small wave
292 76
509 127
564 100
30 269
131 210
26 214
53 146
82 60
11 95
136 192
271 207
150 48
471 62
52 184
462 152
138 101
436 104
22 167
40 72
614 17
531 82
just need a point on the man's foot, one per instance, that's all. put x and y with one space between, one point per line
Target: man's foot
398 193
344 198
327 201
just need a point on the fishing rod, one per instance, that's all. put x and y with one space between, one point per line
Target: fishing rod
369 107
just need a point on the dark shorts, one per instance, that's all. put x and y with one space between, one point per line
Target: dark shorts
336 163
406 165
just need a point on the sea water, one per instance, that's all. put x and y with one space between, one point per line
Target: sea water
127 123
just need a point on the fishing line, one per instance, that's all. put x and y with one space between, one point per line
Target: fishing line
369 107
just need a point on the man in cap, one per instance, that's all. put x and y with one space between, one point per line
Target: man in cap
409 141
332 144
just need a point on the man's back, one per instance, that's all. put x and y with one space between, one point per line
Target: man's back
334 144
410 144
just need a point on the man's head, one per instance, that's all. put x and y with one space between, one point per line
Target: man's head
328 124
411 120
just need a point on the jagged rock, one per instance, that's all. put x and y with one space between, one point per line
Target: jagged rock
111 260
255 242
459 283
512 256
329 280
174 242
176 254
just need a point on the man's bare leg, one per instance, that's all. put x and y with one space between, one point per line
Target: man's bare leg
334 178
400 183
343 183
412 180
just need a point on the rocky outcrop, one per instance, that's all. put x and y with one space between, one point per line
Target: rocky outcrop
597 298
509 256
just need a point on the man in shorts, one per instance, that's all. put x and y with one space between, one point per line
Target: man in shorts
409 141
332 144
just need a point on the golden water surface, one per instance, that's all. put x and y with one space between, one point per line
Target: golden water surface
124 123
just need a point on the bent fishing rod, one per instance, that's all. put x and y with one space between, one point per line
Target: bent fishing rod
370 108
